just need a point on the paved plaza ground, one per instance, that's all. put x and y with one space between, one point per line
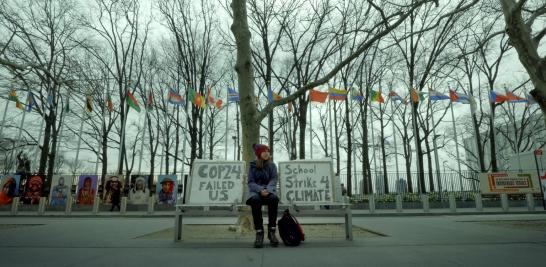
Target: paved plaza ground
434 240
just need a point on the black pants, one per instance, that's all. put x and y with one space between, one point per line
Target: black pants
115 205
256 202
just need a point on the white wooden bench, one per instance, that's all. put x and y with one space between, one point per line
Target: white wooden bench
233 206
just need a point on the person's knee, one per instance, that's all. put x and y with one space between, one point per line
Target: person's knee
254 201
273 198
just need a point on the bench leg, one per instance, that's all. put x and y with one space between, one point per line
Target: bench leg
348 224
177 227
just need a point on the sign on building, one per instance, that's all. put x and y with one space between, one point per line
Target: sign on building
215 182
509 183
306 181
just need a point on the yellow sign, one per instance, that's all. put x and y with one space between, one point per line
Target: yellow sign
509 183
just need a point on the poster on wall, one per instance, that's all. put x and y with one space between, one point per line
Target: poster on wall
33 189
60 188
306 181
166 189
215 182
10 188
140 190
87 188
509 183
112 188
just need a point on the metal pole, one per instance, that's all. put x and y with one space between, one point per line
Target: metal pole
227 132
79 143
394 138
540 183
456 147
4 118
373 151
310 130
39 139
438 179
143 140
331 133
415 130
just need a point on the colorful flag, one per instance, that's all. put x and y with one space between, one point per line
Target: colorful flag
435 96
149 101
174 98
461 98
109 103
132 101
198 100
512 98
218 103
530 99
233 96
50 100
337 94
317 96
210 98
356 95
13 97
376 96
414 95
88 103
393 96
495 97
191 95
31 102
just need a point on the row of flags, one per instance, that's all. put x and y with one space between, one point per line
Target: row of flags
334 94
415 96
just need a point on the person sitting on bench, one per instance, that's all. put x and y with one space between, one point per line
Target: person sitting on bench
262 185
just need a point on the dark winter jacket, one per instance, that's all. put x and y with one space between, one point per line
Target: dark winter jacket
258 179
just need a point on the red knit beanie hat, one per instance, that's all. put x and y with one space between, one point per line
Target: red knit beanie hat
259 148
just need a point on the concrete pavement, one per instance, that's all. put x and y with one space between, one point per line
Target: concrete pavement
457 240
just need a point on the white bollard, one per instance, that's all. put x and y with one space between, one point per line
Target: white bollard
371 203
151 203
68 204
425 202
504 202
452 203
530 202
479 202
123 208
398 203
41 206
14 205
96 205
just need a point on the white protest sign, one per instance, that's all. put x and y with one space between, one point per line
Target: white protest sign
215 182
509 183
306 181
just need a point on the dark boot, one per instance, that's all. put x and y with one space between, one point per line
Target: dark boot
272 237
259 242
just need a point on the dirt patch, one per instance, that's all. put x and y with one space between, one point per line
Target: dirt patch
223 232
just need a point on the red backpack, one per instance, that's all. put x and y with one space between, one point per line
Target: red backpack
290 230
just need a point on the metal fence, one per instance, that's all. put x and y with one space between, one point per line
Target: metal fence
466 182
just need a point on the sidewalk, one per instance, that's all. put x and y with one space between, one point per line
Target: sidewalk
458 240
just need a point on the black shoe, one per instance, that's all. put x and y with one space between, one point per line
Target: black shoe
259 242
272 237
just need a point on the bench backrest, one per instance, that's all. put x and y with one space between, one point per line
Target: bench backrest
215 182
306 182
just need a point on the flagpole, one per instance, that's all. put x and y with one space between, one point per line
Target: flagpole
373 150
354 149
4 118
415 131
310 130
39 139
436 159
143 140
456 147
19 137
226 133
394 138
79 143
331 133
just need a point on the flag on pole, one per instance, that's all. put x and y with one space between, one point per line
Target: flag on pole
456 97
132 101
31 102
356 95
174 98
376 96
337 94
530 99
495 97
233 96
199 100
191 95
88 103
317 96
393 96
13 97
150 101
218 103
512 98
435 96
414 95
109 103
210 98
